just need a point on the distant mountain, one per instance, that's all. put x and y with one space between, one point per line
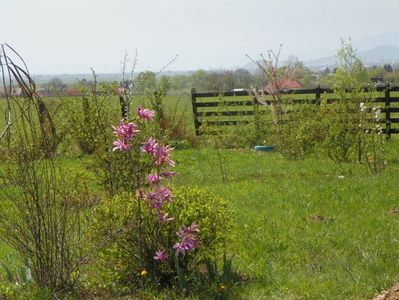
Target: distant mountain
380 55
391 38
376 56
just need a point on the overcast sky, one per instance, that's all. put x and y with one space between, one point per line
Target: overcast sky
70 36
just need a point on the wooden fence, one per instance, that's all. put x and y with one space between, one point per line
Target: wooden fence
235 109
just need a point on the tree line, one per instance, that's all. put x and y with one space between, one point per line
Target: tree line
225 80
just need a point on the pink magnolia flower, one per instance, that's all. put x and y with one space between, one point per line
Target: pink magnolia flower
145 114
158 197
161 255
164 193
154 199
154 178
188 239
161 154
149 146
121 145
125 131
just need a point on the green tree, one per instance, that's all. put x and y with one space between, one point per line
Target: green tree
145 80
388 68
243 78
55 84
200 79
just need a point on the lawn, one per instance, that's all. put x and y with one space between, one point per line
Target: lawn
303 230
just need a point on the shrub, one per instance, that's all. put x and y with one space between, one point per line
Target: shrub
125 171
44 215
126 256
43 211
240 135
86 119
303 131
172 120
151 240
355 135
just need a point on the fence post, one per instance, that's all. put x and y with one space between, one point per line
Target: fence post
86 110
317 94
122 101
388 111
195 111
256 114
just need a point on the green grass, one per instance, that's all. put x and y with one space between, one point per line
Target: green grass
179 104
300 229
282 241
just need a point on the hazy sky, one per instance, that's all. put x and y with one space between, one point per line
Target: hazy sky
70 36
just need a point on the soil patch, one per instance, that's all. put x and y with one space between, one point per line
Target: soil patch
320 218
392 294
393 211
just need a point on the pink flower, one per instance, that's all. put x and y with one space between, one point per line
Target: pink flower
161 154
153 178
161 255
188 239
121 145
145 114
149 146
158 197
125 131
154 199
164 193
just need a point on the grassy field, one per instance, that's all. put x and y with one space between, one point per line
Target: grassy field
302 229
180 105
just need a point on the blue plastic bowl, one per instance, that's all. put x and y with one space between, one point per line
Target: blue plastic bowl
264 148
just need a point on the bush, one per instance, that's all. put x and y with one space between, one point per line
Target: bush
303 131
172 120
239 135
44 210
85 119
122 261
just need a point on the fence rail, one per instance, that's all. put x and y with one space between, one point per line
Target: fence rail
239 108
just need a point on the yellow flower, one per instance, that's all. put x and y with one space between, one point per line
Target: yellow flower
144 273
222 287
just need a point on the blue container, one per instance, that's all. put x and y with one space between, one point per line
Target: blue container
264 148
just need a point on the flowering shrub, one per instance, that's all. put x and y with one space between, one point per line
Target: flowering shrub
146 229
121 261
137 152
